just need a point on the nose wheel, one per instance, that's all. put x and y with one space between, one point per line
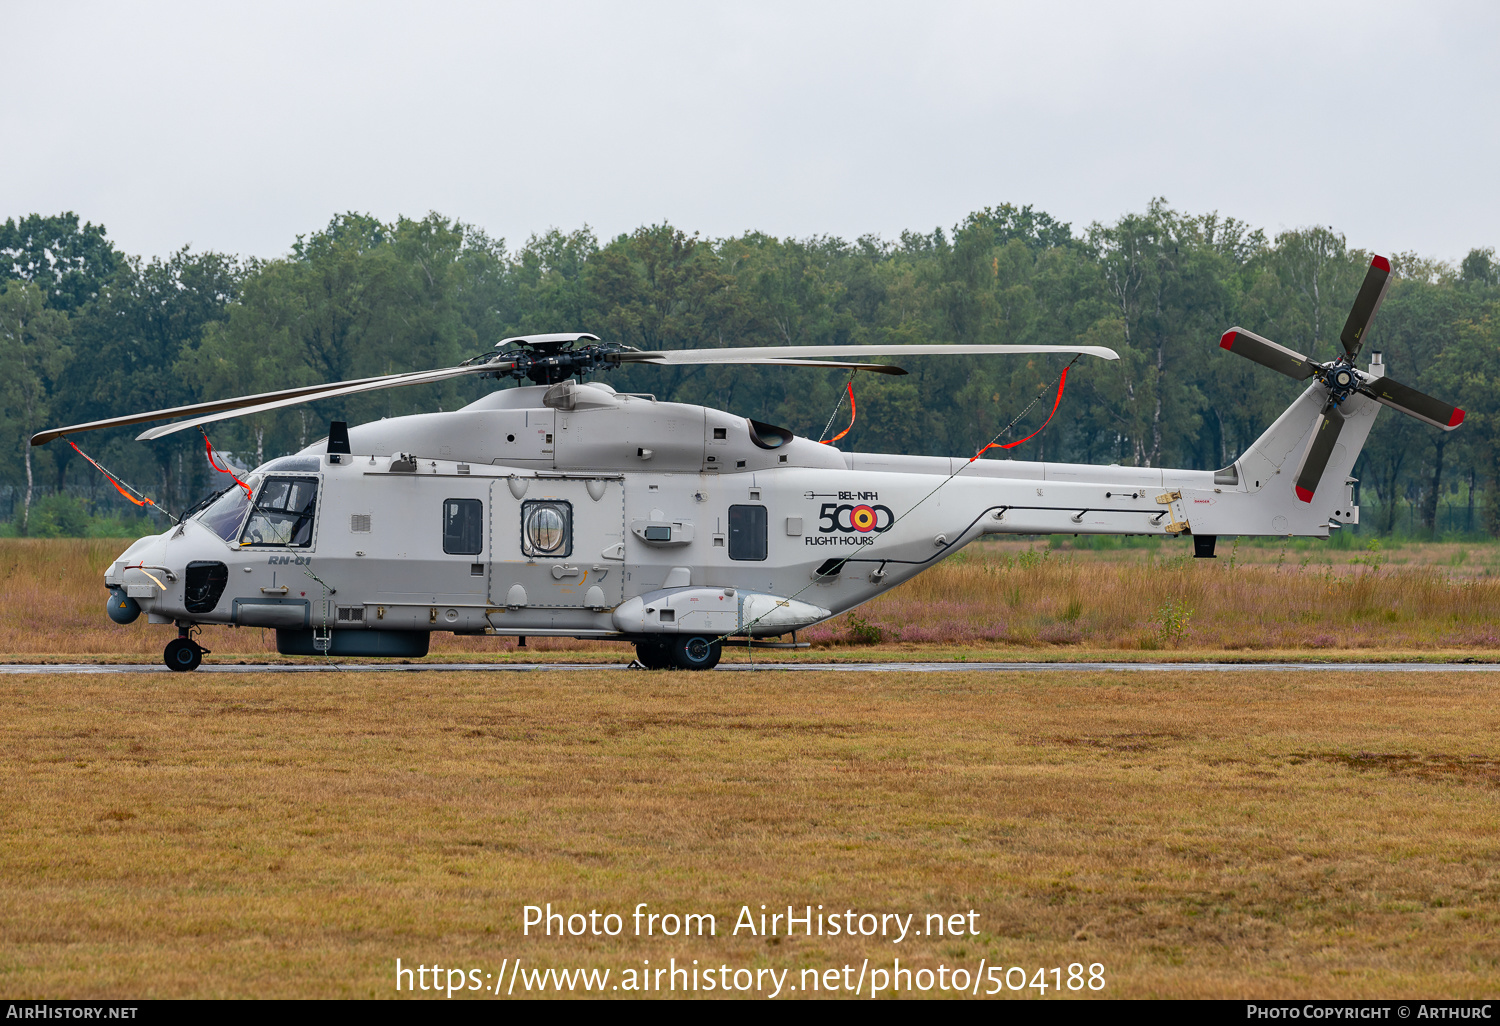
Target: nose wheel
694 652
682 652
653 654
183 654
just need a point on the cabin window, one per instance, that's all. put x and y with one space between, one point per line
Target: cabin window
283 513
747 532
463 527
547 529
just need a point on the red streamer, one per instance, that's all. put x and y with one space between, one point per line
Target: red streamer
224 469
852 413
1061 383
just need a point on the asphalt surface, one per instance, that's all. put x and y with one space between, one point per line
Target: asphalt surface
117 668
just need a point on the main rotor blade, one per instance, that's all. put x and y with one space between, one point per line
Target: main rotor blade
800 354
43 437
1315 460
1377 280
1266 353
1418 404
332 391
878 368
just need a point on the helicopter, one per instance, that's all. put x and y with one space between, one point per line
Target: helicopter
565 508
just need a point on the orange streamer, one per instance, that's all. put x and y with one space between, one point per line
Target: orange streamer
1061 383
852 414
118 487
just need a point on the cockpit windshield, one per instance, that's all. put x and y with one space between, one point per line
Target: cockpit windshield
283 513
224 515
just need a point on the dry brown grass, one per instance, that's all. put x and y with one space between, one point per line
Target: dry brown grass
1043 599
1202 835
999 601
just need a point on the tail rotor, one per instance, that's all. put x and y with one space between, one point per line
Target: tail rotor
1342 379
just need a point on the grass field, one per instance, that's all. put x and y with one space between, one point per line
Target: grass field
1201 835
1004 600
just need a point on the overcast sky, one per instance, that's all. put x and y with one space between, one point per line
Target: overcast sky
237 129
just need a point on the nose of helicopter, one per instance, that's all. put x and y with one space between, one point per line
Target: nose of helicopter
139 578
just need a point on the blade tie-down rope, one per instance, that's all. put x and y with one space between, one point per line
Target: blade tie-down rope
1062 383
853 411
120 487
1061 378
225 468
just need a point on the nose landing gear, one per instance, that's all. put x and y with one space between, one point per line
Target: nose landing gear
183 653
653 654
682 652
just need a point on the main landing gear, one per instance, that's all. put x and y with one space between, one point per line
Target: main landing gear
183 653
679 652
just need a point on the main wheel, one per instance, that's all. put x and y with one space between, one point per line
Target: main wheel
696 652
183 654
653 654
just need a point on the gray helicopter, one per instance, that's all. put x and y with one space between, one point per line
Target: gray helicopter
566 508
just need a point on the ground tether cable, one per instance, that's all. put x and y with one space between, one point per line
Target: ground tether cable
1039 396
121 486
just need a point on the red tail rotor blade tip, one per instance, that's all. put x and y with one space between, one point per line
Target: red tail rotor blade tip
1456 419
1382 263
1228 339
1304 494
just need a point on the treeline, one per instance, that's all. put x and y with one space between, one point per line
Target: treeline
88 332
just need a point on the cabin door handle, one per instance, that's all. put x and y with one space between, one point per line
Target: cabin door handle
559 572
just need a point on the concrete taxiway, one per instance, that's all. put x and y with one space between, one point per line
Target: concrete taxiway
893 667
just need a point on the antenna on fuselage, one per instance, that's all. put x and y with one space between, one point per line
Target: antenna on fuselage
338 439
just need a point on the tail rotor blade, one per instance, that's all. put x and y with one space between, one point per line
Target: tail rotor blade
1315 460
1418 404
1266 353
1377 280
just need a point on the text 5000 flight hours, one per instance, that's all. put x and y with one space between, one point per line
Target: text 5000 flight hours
848 518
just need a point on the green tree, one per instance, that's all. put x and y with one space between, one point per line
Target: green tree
70 262
135 334
33 345
1166 285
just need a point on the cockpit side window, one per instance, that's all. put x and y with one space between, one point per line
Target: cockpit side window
283 513
226 513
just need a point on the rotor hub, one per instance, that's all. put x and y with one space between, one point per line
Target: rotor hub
552 362
1341 379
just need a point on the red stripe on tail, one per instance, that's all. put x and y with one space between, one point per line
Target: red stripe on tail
1304 494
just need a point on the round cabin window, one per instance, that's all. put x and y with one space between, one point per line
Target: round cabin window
545 529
